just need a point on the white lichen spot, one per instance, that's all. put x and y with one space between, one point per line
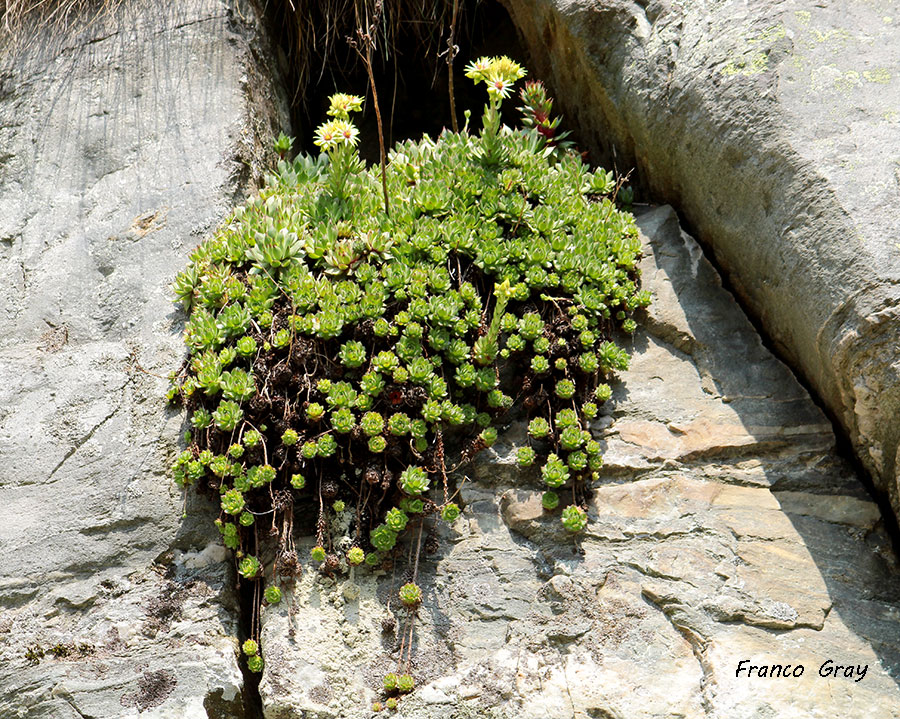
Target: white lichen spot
783 612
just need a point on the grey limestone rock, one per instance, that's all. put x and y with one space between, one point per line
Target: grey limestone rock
773 127
725 527
122 143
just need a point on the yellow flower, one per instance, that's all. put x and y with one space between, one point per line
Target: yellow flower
498 72
342 104
477 70
333 133
508 69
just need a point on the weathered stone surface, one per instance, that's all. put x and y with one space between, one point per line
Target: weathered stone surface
122 144
725 528
772 126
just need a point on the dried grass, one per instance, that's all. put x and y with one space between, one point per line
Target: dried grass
316 31
16 16
313 33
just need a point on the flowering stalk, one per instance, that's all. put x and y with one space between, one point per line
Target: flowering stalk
499 74
486 347
338 138
490 129
536 109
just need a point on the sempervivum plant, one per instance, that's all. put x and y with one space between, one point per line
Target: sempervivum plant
410 595
343 358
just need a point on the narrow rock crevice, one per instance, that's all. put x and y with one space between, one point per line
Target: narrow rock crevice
843 442
252 701
698 646
414 96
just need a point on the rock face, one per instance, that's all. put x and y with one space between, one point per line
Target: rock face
726 528
122 145
773 127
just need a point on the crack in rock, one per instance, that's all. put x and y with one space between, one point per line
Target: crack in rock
698 644
81 442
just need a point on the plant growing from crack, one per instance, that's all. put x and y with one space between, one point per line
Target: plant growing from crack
348 361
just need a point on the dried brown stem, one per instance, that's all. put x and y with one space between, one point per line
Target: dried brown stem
451 54
367 40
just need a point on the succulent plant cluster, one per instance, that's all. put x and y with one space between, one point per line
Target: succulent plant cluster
347 359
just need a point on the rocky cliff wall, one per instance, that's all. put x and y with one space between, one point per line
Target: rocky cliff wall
122 144
725 527
772 127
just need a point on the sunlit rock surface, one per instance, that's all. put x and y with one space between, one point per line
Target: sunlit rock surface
773 128
121 145
725 528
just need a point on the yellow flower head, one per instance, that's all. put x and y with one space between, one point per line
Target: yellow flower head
477 70
497 85
333 133
507 69
500 73
342 104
